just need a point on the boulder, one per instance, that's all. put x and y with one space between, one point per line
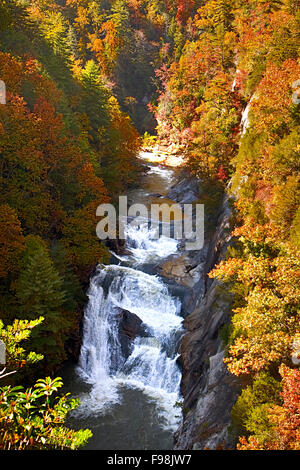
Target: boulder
188 190
130 326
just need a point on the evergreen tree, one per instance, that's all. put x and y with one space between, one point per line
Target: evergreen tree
74 296
40 293
94 100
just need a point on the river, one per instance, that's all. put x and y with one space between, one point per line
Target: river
131 402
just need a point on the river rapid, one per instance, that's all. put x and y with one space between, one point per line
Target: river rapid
131 401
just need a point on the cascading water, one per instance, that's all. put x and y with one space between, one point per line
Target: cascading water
152 364
150 371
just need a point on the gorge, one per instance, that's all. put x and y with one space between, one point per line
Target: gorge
150 356
166 346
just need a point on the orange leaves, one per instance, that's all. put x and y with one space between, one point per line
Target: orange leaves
15 73
203 98
184 8
126 143
44 87
50 123
11 71
267 278
227 269
272 106
105 44
287 417
44 171
91 184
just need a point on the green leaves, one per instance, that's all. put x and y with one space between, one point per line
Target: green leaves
34 418
13 334
40 291
48 385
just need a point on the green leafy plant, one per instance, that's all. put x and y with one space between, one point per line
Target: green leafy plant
34 418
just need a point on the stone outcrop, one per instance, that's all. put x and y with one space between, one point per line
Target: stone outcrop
130 326
183 270
208 389
186 190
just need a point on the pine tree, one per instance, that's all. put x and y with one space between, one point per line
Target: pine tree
74 295
40 293
94 99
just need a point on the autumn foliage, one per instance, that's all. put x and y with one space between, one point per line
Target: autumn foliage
220 78
66 147
226 101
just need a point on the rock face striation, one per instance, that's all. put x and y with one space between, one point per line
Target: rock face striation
208 389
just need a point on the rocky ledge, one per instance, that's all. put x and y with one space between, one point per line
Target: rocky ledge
208 390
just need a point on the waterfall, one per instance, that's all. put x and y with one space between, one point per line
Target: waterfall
151 366
245 116
145 248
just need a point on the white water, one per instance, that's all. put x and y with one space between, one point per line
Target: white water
245 122
151 367
145 247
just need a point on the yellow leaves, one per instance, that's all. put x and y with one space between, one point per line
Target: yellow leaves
272 104
105 44
282 421
251 355
268 320
226 269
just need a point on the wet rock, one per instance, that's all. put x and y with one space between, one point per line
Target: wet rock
130 326
182 269
186 191
117 246
209 390
156 195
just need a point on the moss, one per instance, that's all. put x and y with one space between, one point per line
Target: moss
224 334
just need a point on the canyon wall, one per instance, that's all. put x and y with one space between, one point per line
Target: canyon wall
208 389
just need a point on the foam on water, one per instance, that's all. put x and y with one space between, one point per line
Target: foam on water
152 365
144 245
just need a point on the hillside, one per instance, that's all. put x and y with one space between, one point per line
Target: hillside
217 82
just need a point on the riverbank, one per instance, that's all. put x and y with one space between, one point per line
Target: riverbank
207 390
171 157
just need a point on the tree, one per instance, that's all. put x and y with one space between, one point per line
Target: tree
283 420
15 356
94 100
40 292
11 240
34 418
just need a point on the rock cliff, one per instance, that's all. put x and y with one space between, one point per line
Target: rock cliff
209 391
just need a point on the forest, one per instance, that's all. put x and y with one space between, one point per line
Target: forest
86 80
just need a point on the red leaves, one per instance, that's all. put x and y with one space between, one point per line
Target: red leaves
184 8
285 419
222 173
